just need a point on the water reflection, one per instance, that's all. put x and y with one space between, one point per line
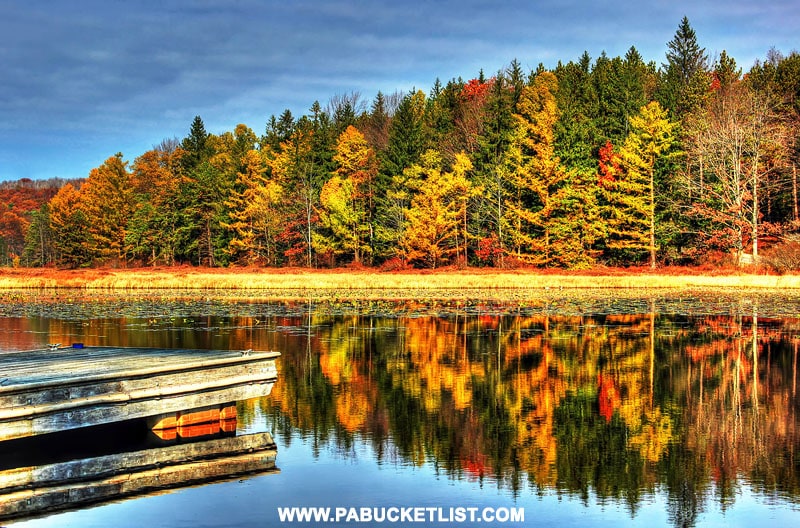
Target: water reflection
614 407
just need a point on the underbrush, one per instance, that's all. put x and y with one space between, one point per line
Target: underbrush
782 258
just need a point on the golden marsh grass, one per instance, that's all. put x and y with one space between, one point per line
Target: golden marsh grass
185 278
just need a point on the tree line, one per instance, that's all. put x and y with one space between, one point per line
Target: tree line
607 161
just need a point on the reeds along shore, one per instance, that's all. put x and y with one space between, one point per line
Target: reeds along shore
250 279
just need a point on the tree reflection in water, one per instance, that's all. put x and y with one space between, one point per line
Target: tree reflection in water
616 406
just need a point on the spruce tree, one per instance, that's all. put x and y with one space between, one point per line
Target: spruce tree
685 79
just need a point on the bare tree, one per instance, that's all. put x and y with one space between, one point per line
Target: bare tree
736 143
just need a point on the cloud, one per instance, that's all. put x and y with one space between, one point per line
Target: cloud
109 72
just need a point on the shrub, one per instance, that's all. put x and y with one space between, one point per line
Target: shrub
782 258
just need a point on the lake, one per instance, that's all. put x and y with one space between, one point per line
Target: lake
587 409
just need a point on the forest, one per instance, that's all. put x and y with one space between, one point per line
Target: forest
596 162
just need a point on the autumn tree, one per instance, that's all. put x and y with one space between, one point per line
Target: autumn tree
375 123
577 226
157 177
740 143
537 172
631 192
301 165
405 145
70 227
108 201
347 199
433 233
342 221
470 113
255 216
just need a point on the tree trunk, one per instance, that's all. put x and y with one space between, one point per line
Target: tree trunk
652 219
794 191
754 220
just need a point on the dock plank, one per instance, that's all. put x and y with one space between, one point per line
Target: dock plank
74 484
65 365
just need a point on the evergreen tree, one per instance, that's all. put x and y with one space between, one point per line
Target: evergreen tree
156 179
685 79
492 164
576 129
195 145
726 73
406 135
201 237
39 249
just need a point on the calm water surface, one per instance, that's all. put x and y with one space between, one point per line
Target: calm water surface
651 411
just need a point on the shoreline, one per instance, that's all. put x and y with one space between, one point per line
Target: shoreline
245 279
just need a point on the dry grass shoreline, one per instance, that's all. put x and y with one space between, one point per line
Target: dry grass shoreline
188 278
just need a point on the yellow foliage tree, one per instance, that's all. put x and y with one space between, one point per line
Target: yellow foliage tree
107 199
346 200
633 197
438 210
255 212
536 171
70 227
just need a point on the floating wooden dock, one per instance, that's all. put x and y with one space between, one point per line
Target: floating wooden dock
51 390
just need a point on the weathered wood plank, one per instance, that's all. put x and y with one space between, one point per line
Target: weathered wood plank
70 496
106 466
109 412
34 401
65 366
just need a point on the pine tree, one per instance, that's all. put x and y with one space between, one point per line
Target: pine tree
685 79
195 145
406 135
576 129
492 165
39 249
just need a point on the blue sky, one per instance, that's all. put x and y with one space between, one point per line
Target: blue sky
80 81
